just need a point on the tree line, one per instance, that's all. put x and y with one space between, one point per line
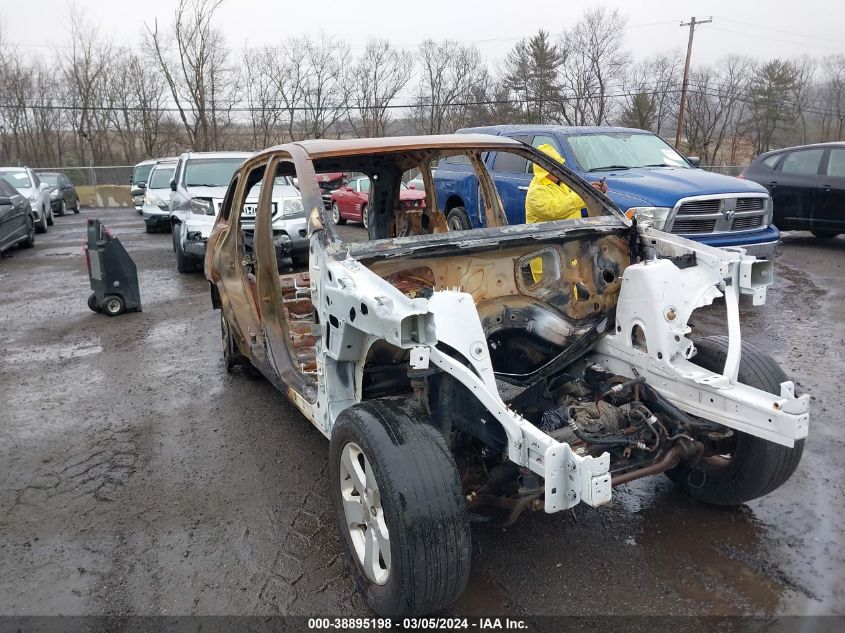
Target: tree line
96 102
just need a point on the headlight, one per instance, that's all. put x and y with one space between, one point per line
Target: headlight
54 194
653 217
291 206
201 206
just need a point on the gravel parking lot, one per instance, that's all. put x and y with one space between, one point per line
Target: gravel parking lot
140 478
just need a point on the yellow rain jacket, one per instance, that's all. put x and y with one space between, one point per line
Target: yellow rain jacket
547 200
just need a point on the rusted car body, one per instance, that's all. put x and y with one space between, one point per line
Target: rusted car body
452 379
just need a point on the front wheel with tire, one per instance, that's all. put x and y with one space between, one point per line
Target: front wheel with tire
336 218
752 467
29 240
41 227
93 304
49 214
63 209
112 305
400 508
458 220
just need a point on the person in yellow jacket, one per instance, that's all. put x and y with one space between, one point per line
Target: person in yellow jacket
549 199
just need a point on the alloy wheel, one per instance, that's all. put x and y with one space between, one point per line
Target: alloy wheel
364 513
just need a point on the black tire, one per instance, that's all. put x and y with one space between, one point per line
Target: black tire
421 503
174 232
63 209
150 228
76 208
336 218
41 227
458 220
93 304
756 466
825 235
365 216
49 214
184 262
232 356
112 305
29 240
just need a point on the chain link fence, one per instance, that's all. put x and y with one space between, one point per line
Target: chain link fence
93 176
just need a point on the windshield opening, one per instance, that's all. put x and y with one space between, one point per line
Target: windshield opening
18 179
141 173
623 150
161 177
210 172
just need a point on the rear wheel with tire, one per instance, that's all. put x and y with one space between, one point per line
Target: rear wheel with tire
458 220
29 240
825 235
365 216
753 467
112 305
232 356
336 214
76 208
400 508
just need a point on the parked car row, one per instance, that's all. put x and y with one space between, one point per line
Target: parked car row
29 201
183 195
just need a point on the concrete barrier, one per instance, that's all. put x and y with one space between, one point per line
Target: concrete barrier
104 196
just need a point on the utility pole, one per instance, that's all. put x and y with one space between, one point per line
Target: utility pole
692 24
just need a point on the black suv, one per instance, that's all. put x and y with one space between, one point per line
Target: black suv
807 185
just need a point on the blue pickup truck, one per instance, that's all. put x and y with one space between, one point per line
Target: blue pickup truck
645 176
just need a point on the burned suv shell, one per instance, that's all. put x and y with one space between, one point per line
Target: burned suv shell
453 375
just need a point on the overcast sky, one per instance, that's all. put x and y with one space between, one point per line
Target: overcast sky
762 29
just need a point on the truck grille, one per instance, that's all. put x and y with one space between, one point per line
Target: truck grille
721 214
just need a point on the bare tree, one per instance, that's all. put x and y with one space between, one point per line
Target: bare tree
650 87
594 66
450 72
716 106
196 69
379 75
86 66
832 97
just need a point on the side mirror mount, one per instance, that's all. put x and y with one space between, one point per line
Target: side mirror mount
350 189
412 186
5 201
695 161
44 187
172 184
142 186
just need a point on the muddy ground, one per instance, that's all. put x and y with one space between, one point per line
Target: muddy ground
139 478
